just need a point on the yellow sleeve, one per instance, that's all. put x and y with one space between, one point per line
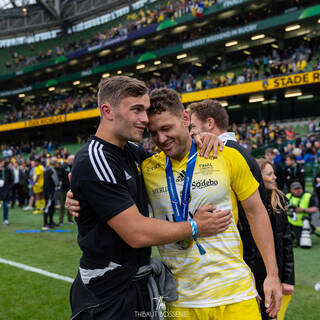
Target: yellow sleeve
243 182
36 171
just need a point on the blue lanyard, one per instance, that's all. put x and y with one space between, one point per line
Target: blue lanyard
181 210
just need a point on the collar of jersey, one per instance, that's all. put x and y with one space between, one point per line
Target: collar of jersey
108 144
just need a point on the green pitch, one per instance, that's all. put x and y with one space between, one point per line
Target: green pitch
25 295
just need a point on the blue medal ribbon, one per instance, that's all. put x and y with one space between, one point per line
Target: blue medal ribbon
181 210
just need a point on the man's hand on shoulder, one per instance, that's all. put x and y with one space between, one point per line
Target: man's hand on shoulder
207 142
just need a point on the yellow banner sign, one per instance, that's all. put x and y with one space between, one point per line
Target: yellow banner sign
92 113
298 79
254 86
45 121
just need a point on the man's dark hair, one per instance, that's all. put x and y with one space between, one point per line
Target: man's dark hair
211 109
114 89
37 159
292 157
164 99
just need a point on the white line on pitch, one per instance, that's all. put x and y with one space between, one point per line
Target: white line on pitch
36 270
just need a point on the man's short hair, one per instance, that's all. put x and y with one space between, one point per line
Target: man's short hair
114 89
211 109
292 157
164 99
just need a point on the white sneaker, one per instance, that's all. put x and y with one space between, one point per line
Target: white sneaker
45 228
5 222
27 208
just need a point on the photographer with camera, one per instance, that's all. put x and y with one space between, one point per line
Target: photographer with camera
301 204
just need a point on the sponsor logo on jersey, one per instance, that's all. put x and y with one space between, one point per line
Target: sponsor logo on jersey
203 183
148 169
205 165
159 190
181 176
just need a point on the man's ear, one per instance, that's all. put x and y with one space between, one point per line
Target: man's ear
106 111
211 123
186 118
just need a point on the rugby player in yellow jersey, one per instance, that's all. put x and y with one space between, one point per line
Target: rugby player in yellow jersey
216 284
38 186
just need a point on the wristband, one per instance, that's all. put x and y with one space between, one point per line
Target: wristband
194 227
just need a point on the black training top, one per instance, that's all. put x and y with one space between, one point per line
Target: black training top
107 180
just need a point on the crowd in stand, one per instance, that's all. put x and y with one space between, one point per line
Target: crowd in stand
279 62
52 108
133 22
36 182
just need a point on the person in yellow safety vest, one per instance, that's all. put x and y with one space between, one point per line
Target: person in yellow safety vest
304 204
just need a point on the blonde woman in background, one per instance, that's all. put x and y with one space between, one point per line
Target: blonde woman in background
281 233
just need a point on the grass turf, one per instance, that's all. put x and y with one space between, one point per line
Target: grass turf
26 295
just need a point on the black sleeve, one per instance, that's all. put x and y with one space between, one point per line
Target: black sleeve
105 198
107 194
288 258
280 176
301 177
143 154
313 202
9 177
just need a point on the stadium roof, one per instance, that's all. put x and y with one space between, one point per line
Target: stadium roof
8 4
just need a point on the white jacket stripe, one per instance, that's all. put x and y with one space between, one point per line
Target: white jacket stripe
92 160
104 160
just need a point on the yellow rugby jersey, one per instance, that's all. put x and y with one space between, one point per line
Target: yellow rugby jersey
39 171
220 276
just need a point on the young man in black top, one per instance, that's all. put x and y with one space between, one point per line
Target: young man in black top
115 232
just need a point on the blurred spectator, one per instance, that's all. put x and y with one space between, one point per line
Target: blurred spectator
38 186
293 171
64 171
16 186
316 185
50 185
24 192
270 155
305 205
301 64
6 181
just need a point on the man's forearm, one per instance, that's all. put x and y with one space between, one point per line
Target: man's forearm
311 210
157 232
139 231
